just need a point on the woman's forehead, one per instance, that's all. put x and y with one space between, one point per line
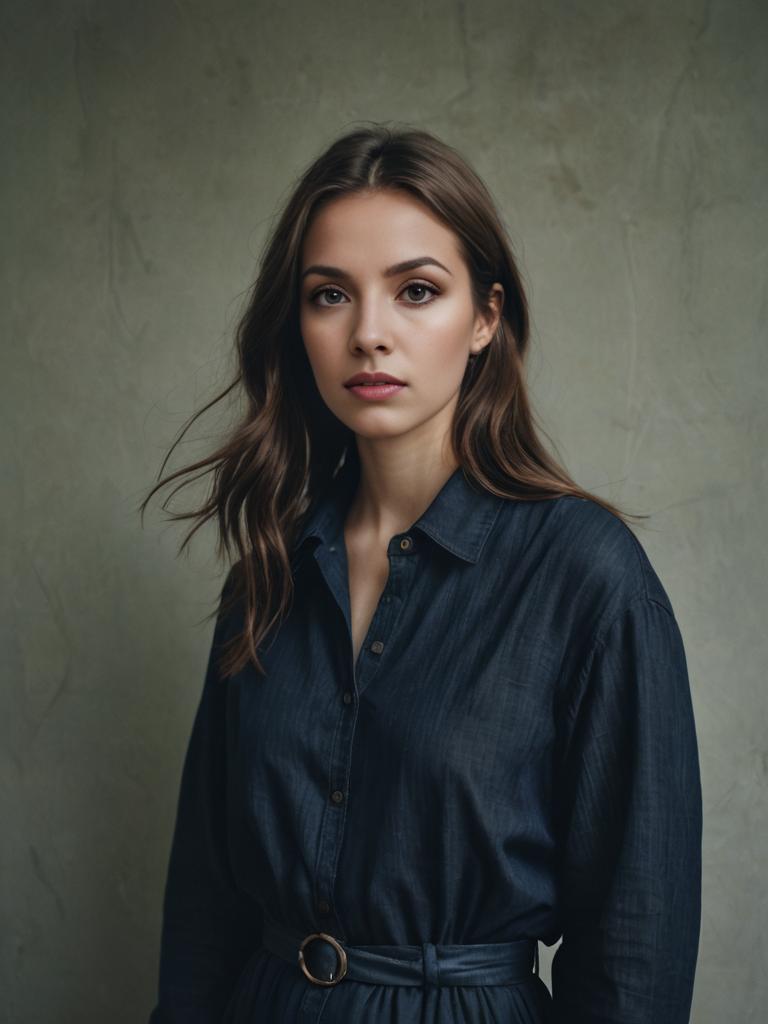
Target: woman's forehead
380 230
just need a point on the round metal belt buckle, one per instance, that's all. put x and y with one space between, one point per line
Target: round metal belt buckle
340 953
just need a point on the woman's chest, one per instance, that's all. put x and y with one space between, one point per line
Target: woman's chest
454 684
368 572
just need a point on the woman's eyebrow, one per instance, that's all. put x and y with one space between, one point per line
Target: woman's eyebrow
396 268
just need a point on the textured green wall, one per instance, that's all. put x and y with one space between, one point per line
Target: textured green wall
145 147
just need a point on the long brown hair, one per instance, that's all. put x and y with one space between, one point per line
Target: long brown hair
287 444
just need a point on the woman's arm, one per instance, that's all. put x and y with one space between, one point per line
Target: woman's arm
210 928
630 819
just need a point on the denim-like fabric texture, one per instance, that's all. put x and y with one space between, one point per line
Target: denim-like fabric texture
513 755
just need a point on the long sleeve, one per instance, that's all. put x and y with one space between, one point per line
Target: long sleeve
210 928
630 820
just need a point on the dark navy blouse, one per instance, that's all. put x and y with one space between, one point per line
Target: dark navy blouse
513 755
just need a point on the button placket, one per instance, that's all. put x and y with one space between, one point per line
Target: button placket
391 603
383 624
332 828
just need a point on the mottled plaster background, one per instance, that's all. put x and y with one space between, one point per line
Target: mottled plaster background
145 149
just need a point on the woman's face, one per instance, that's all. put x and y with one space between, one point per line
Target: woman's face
360 312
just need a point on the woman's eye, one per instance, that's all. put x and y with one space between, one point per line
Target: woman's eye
325 291
424 288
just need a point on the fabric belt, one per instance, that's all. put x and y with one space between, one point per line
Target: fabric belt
325 960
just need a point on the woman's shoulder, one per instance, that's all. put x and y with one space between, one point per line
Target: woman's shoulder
590 552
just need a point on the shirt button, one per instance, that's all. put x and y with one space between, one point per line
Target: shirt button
337 796
324 906
406 543
347 698
377 646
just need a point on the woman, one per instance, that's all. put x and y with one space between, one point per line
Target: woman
447 711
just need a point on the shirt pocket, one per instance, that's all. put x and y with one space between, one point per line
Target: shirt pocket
506 716
477 725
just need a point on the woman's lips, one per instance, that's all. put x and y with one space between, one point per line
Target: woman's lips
375 392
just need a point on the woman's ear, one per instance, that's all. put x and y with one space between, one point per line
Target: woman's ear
488 320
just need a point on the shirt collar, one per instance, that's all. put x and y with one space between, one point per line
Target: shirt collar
459 518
